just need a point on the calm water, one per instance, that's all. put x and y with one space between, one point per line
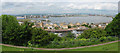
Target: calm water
87 19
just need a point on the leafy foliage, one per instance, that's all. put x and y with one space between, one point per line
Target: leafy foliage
113 28
24 34
93 33
70 35
86 25
9 26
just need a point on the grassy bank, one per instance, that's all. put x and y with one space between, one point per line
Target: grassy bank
107 47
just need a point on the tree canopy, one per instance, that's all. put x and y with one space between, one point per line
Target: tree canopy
113 28
93 33
13 33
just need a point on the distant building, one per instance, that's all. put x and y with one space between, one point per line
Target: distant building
46 25
102 26
33 21
19 17
65 26
50 27
59 34
41 24
20 23
33 26
84 23
77 24
44 16
71 24
76 33
93 26
82 27
55 25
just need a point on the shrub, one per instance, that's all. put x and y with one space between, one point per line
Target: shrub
69 26
93 33
113 28
103 39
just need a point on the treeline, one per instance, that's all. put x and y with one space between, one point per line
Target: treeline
23 35
26 35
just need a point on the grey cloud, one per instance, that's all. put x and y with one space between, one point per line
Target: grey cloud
51 7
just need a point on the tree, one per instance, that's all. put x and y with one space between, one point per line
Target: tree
86 25
93 33
42 37
113 28
9 26
13 33
69 26
70 35
23 35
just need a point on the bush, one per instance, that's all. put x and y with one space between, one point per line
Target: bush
103 39
45 28
93 33
113 28
69 26
13 33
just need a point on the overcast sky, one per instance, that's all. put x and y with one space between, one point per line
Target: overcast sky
61 6
60 0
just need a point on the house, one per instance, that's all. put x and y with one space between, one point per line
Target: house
77 24
44 16
33 26
65 26
50 27
55 25
20 23
84 23
93 26
61 24
102 26
46 25
82 27
76 33
41 24
59 34
70 24
33 21
107 23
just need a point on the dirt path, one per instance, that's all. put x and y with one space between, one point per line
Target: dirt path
58 48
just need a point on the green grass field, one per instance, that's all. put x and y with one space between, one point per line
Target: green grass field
107 47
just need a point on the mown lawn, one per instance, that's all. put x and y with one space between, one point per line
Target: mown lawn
107 47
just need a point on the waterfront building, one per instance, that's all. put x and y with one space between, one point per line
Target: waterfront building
102 26
77 24
55 25
46 25
20 17
44 16
25 16
65 26
93 26
82 27
71 24
84 23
